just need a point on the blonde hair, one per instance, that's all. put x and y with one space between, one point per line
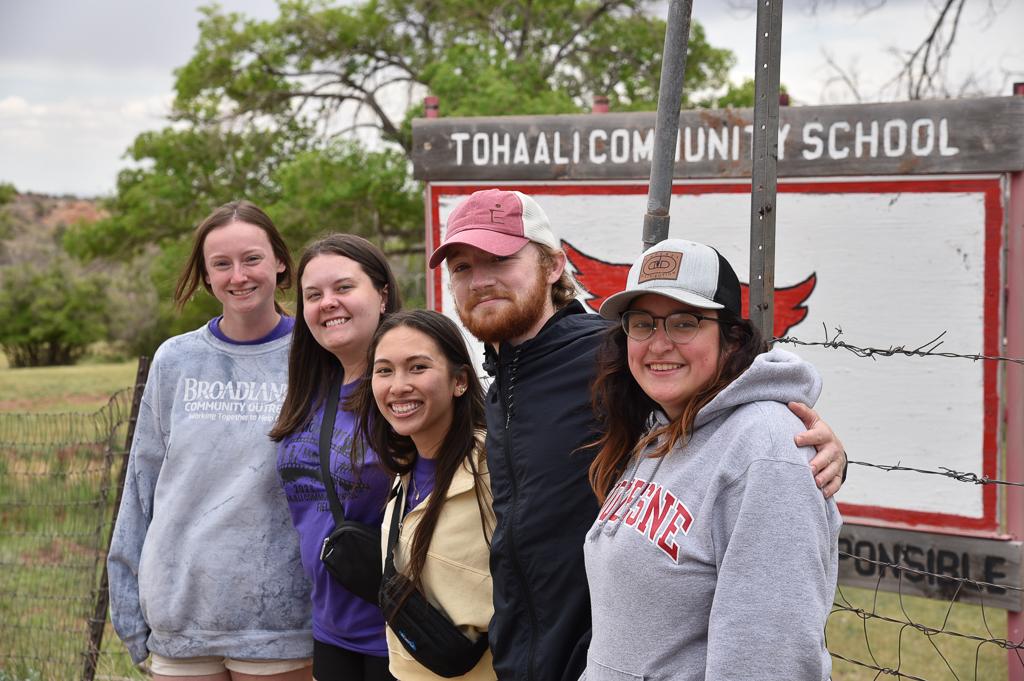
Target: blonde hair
565 290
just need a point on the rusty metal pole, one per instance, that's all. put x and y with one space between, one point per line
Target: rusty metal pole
764 169
666 127
1014 382
99 617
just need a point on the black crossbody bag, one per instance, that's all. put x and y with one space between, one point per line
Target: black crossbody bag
424 631
351 553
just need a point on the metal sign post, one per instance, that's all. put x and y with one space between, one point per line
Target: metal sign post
1014 386
666 129
764 173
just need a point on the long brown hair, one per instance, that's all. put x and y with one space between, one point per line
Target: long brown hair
397 453
624 408
194 273
311 368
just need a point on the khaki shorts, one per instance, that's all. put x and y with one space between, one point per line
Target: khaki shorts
202 666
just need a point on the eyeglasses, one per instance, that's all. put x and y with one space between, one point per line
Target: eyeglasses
680 327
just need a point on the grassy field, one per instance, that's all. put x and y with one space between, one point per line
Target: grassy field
81 388
901 646
61 447
40 534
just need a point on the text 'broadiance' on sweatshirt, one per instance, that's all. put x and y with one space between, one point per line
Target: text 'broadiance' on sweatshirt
204 558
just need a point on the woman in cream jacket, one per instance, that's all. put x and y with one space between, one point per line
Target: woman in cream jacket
422 412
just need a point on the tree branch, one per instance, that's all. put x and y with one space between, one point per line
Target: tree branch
565 47
841 75
524 32
920 68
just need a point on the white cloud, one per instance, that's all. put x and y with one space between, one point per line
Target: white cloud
988 48
74 145
78 81
13 105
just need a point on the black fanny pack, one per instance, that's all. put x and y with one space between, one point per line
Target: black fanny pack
424 631
351 553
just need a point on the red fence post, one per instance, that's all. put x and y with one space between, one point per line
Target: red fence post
1015 391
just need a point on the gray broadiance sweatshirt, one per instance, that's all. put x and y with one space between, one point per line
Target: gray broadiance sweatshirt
719 560
204 559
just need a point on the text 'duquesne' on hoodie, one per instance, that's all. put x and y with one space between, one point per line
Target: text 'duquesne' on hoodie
719 560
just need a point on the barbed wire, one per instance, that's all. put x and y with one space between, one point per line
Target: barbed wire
942 634
925 350
959 476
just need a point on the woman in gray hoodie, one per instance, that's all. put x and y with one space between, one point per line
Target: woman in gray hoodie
714 555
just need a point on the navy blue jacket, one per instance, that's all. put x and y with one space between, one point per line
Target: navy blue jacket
538 417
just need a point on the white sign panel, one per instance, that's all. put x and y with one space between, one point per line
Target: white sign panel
890 263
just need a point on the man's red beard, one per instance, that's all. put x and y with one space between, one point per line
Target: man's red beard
513 320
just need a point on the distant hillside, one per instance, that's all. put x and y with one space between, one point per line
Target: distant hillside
37 222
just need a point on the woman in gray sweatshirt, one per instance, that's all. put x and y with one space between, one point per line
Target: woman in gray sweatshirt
714 555
205 573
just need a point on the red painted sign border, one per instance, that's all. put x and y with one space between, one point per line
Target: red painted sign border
989 188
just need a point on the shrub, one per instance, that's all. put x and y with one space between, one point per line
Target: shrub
50 315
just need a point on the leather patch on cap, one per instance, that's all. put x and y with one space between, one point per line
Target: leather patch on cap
660 265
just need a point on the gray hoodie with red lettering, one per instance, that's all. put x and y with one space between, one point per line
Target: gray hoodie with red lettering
719 560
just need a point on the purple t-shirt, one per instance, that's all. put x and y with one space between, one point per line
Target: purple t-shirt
421 482
283 328
339 617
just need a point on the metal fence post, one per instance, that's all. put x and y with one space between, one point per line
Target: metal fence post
666 126
764 169
1015 392
99 616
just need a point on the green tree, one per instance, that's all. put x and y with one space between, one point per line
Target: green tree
482 57
308 192
342 187
7 194
50 315
258 105
736 95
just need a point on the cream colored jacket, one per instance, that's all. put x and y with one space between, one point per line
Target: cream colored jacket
456 577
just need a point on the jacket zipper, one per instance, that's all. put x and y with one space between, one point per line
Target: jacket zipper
508 403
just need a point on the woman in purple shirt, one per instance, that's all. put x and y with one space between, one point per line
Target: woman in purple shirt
345 287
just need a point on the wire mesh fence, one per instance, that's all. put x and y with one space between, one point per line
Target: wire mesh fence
881 633
59 476
965 642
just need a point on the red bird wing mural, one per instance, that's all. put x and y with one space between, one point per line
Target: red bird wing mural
598 278
601 279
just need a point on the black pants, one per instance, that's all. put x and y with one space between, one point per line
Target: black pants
331 663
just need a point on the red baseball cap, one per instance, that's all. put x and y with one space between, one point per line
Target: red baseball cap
497 221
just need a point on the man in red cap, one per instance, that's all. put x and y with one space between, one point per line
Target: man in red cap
512 291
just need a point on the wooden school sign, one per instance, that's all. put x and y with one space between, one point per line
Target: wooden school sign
892 227
932 565
954 136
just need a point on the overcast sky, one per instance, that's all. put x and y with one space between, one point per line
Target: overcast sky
79 80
